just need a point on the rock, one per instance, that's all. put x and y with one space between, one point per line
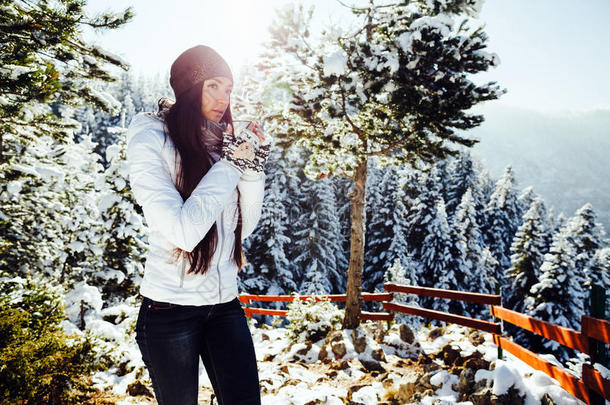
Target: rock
423 382
405 393
476 364
449 355
406 334
138 388
340 365
332 373
269 357
285 369
429 367
338 349
434 333
304 350
378 354
546 399
466 381
359 339
264 336
485 397
352 389
512 397
323 353
334 336
476 338
372 365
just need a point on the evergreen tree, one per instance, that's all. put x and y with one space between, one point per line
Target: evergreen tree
403 275
123 247
436 255
269 272
503 218
465 252
422 212
558 297
390 90
585 235
529 247
319 240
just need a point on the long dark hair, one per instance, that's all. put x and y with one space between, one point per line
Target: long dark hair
184 121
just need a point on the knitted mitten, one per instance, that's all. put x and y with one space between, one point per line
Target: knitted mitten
237 151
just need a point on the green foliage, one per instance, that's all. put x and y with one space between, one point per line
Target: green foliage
311 320
39 362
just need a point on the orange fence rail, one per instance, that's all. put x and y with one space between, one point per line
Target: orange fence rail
592 387
364 315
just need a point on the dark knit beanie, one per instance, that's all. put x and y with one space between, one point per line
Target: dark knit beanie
195 65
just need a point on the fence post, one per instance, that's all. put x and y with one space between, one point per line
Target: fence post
499 292
597 306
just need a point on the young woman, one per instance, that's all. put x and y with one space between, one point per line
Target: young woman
200 185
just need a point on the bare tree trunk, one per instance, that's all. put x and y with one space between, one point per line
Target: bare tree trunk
356 256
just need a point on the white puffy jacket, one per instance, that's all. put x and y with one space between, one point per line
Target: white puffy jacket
174 222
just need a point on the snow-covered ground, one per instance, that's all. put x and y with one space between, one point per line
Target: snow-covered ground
369 366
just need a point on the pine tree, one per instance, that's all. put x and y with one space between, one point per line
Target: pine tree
465 252
422 211
123 247
558 297
436 255
320 241
269 272
503 218
585 235
529 248
50 224
390 90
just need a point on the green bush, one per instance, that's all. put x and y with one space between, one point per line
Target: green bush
39 362
310 320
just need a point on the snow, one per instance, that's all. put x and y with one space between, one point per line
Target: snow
335 64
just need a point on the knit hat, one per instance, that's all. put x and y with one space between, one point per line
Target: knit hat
195 65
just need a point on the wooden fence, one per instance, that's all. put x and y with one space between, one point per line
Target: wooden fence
592 387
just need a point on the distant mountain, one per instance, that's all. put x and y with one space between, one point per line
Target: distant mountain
563 155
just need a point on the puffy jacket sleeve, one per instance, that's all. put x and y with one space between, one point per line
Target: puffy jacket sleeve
252 192
183 223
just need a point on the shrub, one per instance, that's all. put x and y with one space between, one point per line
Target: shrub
39 362
310 320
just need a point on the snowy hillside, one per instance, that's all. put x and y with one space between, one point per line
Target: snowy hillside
561 155
449 365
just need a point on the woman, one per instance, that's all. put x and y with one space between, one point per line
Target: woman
201 189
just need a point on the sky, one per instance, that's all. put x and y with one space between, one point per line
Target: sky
554 53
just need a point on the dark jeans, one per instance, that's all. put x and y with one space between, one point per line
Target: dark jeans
172 337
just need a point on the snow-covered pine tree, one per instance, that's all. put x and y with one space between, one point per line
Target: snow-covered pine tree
462 176
269 271
124 246
558 297
50 225
403 273
399 249
586 236
529 247
319 241
466 251
426 189
503 217
436 256
397 87
526 198
486 266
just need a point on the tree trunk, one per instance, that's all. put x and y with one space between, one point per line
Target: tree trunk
356 256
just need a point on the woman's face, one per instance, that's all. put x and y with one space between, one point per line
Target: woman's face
215 97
